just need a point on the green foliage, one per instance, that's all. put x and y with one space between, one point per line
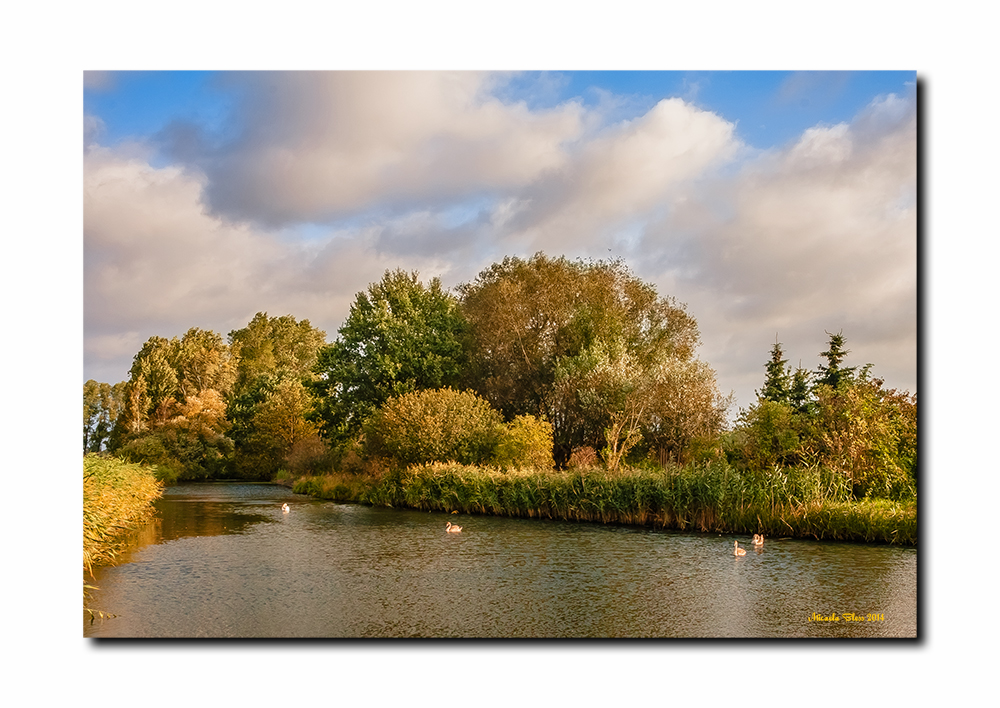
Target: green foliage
777 382
870 435
270 346
190 445
846 422
270 422
399 337
526 442
434 425
833 374
102 404
807 501
767 435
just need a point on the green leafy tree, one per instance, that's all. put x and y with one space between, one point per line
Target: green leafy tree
277 421
400 336
526 442
767 435
191 442
102 404
272 345
270 404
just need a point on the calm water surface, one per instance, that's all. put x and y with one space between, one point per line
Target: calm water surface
222 560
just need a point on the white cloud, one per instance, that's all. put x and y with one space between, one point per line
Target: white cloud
319 144
628 172
820 236
157 263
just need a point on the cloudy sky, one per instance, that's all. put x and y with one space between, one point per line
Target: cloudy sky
773 204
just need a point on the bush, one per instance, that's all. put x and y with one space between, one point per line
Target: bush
526 442
436 425
308 456
583 458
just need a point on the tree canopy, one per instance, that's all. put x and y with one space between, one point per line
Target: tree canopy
400 336
573 342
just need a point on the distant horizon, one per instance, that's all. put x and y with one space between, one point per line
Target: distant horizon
772 204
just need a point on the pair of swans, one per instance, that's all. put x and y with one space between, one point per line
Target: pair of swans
758 541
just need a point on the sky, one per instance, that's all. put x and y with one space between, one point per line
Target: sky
776 206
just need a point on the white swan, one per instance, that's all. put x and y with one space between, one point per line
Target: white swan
737 551
284 508
758 540
451 528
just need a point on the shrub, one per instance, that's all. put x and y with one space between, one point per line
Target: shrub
526 442
582 457
436 425
308 456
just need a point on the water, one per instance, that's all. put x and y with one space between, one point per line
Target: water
222 560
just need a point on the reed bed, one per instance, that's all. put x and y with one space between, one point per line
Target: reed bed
799 502
117 498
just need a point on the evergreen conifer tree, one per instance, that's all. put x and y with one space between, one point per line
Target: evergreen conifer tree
833 374
777 386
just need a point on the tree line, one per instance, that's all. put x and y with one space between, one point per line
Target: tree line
547 359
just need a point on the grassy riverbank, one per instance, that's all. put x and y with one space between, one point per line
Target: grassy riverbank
808 503
117 497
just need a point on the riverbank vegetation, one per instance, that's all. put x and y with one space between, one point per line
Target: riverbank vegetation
716 497
117 498
544 387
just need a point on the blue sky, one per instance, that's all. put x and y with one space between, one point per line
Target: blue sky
773 204
769 107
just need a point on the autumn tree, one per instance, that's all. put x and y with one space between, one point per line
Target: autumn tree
271 402
269 419
401 336
844 420
573 342
173 404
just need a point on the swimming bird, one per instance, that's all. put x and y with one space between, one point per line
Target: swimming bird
737 550
758 539
284 508
451 528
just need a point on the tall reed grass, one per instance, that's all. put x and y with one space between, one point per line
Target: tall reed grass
799 502
117 497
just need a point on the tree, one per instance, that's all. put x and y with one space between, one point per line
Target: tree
869 434
833 373
571 342
102 404
269 420
270 403
173 408
799 394
400 336
269 345
777 386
